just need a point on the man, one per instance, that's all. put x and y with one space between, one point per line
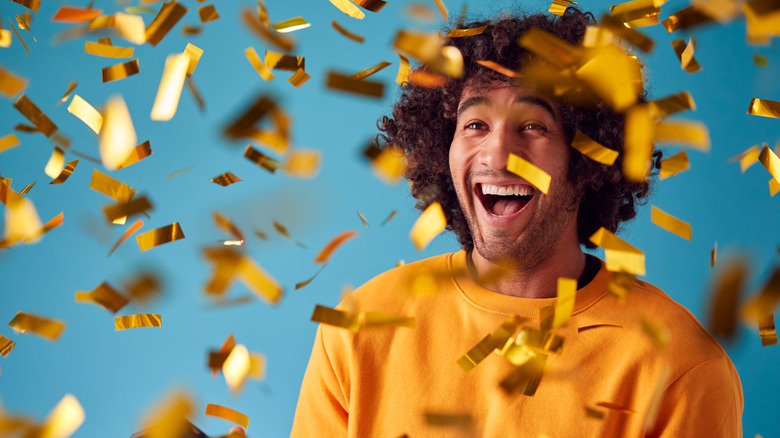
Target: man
600 374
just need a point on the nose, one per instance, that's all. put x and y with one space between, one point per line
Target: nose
495 151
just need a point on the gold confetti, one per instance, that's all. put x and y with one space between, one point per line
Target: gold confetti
593 150
558 52
159 236
282 230
299 78
771 162
110 187
303 163
620 256
21 219
525 379
227 414
615 407
137 321
354 322
70 14
686 18
266 32
429 49
631 36
460 33
104 296
764 108
389 217
138 153
227 226
353 36
363 219
670 223
244 125
685 55
130 27
459 421
169 417
403 70
208 13
766 329
430 223
496 67
194 53
126 235
673 165
497 339
33 5
66 96
658 335
19 37
761 17
639 129
169 15
442 9
123 210
117 137
614 75
426 79
389 164
64 419
120 71
8 142
636 9
226 179
11 84
28 109
564 305
261 159
673 104
371 5
171 84
306 282
259 66
196 94
86 113
29 187
46 328
5 38
103 22
526 170
6 345
326 252
236 368
338 81
620 285
216 359
258 281
370 71
764 303
558 7
291 25
66 172
774 187
714 255
348 8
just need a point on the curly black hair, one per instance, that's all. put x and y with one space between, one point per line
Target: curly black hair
423 125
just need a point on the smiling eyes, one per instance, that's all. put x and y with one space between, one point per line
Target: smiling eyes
531 125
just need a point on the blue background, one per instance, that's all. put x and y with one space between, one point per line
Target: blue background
118 376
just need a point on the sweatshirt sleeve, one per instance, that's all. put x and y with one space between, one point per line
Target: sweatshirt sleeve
322 404
705 401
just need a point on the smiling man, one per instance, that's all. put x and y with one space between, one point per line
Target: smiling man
487 357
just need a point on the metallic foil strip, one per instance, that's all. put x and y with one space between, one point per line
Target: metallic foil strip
136 321
46 328
28 109
159 236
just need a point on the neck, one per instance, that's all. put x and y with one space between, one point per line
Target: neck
539 281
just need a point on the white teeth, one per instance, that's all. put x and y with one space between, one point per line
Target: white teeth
513 190
502 191
493 190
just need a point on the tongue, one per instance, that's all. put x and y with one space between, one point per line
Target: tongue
506 207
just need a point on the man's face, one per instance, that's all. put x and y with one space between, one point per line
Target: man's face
509 219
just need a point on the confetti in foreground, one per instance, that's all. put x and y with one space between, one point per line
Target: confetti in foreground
169 418
64 419
354 322
593 150
670 223
687 133
126 235
104 296
526 170
29 110
8 142
303 163
227 414
159 236
46 328
117 138
348 8
685 54
338 81
121 71
727 290
326 252
171 84
430 223
86 113
137 321
673 165
236 368
771 162
764 108
564 305
620 256
138 153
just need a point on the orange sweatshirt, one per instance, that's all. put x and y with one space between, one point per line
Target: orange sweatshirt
382 381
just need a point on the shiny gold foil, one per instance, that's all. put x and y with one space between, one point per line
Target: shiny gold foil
348 8
291 25
403 70
526 170
499 69
117 137
194 53
673 165
593 150
226 179
353 36
21 219
208 13
525 378
558 7
371 5
657 334
124 210
137 321
685 19
771 162
639 130
764 108
8 142
169 15
129 232
687 133
227 414
266 32
32 5
685 55
68 91
261 159
764 303
28 109
430 223
459 33
614 75
762 18
86 113
370 71
70 14
327 251
766 329
120 71
130 27
19 37
6 345
620 256
11 84
564 305
299 78
66 172
29 187
338 81
671 223
259 66
138 153
282 230
631 36
64 419
171 84
159 236
673 104
46 328
636 9
110 187
104 296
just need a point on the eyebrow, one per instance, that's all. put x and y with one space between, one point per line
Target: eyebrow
533 100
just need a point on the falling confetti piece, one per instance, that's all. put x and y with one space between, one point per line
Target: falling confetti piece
137 321
430 223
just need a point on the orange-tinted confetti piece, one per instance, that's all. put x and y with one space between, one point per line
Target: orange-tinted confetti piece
66 172
129 232
11 84
169 15
499 69
46 328
8 142
227 414
353 36
208 13
226 179
120 71
29 110
137 321
324 255
159 236
70 14
138 153
104 296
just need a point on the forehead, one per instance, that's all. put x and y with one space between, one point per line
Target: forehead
505 94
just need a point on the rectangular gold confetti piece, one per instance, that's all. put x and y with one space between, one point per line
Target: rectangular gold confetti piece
225 179
632 36
371 5
348 8
334 317
593 150
117 137
11 84
526 170
86 113
686 133
291 25
159 236
267 33
299 77
258 281
558 7
110 187
403 70
126 209
64 419
686 18
430 223
673 104
673 165
324 255
303 163
261 159
370 71
525 379
104 296
498 68
32 5
136 321
130 27
353 36
459 33
8 142
171 84
28 109
46 328
70 14
5 38
66 172
670 223
259 66
685 55
138 153
107 50
120 71
227 414
766 329
770 161
208 13
283 62
636 9
6 345
338 81
620 256
194 53
169 15
764 108
129 232
567 290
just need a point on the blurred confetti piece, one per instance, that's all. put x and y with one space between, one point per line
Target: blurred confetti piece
129 232
11 84
659 335
224 224
614 75
370 71
460 33
169 417
593 150
525 378
389 217
70 14
66 172
327 251
120 71
637 9
306 282
303 163
726 292
685 19
430 223
764 108
159 236
498 68
171 84
46 328
56 163
130 27
228 414
616 407
631 36
28 109
771 162
32 5
442 9
620 256
685 54
110 187
593 413
363 219
236 368
29 187
494 340
762 17
558 7
104 296
216 359
426 79
19 37
403 70
353 36
766 329
196 94
564 305
389 164
138 153
117 137
354 322
639 129
137 320
68 91
765 302
282 230
86 113
226 179
261 159
348 8
670 223
169 14
371 5
256 366
620 285
264 31
180 172
22 221
208 13
64 419
291 25
6 345
258 65
258 281
714 255
451 420
338 81
747 158
774 187
143 287
673 104
526 170
673 165
5 38
123 210
194 53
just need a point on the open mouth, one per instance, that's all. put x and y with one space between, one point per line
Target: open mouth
503 200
